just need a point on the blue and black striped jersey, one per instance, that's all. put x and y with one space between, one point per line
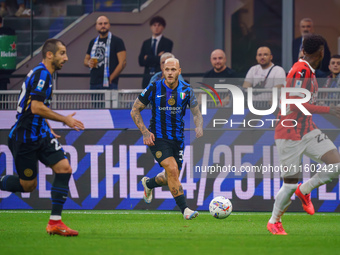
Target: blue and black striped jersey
168 108
37 86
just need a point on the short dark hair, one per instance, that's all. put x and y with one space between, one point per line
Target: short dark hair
335 56
158 19
312 43
51 45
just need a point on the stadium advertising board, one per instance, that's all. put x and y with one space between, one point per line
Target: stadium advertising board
109 160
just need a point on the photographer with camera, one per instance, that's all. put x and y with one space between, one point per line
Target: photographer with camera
264 75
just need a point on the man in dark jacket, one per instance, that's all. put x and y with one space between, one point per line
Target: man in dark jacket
153 48
306 27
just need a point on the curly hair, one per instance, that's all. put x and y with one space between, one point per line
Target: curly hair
312 43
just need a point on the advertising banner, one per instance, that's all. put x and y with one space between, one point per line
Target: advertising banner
8 51
109 159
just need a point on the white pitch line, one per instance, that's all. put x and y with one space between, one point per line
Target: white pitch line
121 212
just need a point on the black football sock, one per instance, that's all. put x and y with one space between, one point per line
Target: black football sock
59 192
11 183
180 201
151 183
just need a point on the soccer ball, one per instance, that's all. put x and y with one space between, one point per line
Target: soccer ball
220 207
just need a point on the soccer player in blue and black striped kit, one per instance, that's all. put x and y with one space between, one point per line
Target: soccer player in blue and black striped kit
169 98
31 138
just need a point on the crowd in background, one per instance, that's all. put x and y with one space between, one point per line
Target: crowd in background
109 53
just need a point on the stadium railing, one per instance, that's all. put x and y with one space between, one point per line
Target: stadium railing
107 99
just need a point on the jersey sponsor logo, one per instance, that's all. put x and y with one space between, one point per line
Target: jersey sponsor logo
298 84
40 85
169 108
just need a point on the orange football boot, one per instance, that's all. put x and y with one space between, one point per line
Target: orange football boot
276 228
306 201
60 229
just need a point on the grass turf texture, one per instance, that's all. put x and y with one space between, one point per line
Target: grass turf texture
159 232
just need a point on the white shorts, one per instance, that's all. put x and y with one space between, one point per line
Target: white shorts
313 144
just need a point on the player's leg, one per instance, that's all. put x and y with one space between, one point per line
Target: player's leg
54 156
162 178
59 193
26 161
289 158
160 151
60 188
281 204
150 183
172 170
321 149
154 182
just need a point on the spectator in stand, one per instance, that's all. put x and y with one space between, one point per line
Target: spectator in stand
153 48
264 75
23 9
220 73
306 28
3 8
158 76
333 81
218 61
110 55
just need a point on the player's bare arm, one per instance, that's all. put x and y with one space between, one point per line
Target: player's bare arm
148 137
38 107
198 120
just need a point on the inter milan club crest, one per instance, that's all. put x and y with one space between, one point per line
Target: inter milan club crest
28 172
158 154
171 101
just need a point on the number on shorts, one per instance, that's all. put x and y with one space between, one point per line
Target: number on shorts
56 144
321 137
181 155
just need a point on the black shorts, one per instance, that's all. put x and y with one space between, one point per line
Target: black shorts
26 155
165 148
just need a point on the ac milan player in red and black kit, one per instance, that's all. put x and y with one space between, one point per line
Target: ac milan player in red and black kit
303 137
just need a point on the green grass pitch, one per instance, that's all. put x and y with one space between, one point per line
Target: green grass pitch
162 232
